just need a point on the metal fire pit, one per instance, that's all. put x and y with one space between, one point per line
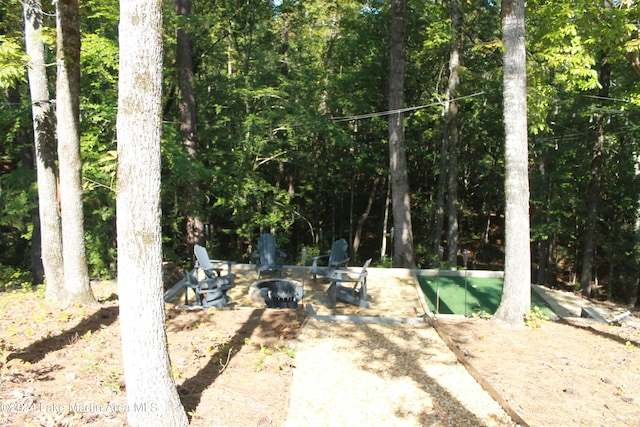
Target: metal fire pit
277 293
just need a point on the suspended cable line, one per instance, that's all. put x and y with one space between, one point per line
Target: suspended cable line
401 110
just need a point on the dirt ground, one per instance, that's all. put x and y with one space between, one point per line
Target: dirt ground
234 367
560 374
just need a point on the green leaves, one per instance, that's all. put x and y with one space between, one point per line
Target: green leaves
13 63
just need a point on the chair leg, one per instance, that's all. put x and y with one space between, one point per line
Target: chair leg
333 293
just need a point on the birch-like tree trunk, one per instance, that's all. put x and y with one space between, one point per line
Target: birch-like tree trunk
451 135
401 203
151 390
44 145
516 296
76 274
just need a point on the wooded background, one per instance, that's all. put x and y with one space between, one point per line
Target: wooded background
290 133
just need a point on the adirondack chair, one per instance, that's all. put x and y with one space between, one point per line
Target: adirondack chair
355 294
268 257
334 259
211 284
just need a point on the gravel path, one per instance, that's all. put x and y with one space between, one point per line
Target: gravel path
384 375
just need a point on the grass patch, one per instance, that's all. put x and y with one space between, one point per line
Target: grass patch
469 295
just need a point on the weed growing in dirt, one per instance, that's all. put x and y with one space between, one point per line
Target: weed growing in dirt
481 314
535 318
268 354
113 382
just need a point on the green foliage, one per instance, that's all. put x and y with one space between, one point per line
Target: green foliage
270 82
13 61
11 278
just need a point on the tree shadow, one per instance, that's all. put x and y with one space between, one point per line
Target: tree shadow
403 357
612 336
37 351
191 389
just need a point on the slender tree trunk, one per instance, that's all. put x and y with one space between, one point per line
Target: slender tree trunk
543 217
593 198
21 140
363 218
403 242
516 296
637 246
44 145
385 222
451 132
439 204
151 391
76 273
188 126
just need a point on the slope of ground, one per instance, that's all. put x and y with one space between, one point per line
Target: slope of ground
249 366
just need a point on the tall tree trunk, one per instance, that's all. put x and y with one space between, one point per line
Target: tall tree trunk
151 391
21 139
542 217
385 221
76 273
516 296
188 121
637 246
403 242
44 145
451 135
589 248
363 218
439 203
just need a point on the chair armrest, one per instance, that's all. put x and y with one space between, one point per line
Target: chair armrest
315 259
212 272
339 263
337 276
222 262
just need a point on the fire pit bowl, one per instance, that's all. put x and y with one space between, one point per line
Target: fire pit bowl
277 293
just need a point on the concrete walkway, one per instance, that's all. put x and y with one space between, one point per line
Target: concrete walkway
572 306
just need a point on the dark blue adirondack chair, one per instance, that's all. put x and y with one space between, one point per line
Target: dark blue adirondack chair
356 293
211 290
209 280
335 259
268 257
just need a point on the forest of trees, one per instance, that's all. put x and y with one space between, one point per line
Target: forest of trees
276 117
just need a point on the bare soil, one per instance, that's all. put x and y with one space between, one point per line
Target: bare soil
563 373
63 367
234 367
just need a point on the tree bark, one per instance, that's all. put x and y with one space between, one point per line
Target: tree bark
385 221
403 242
439 204
188 122
76 273
151 391
363 218
516 296
593 198
44 145
451 135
